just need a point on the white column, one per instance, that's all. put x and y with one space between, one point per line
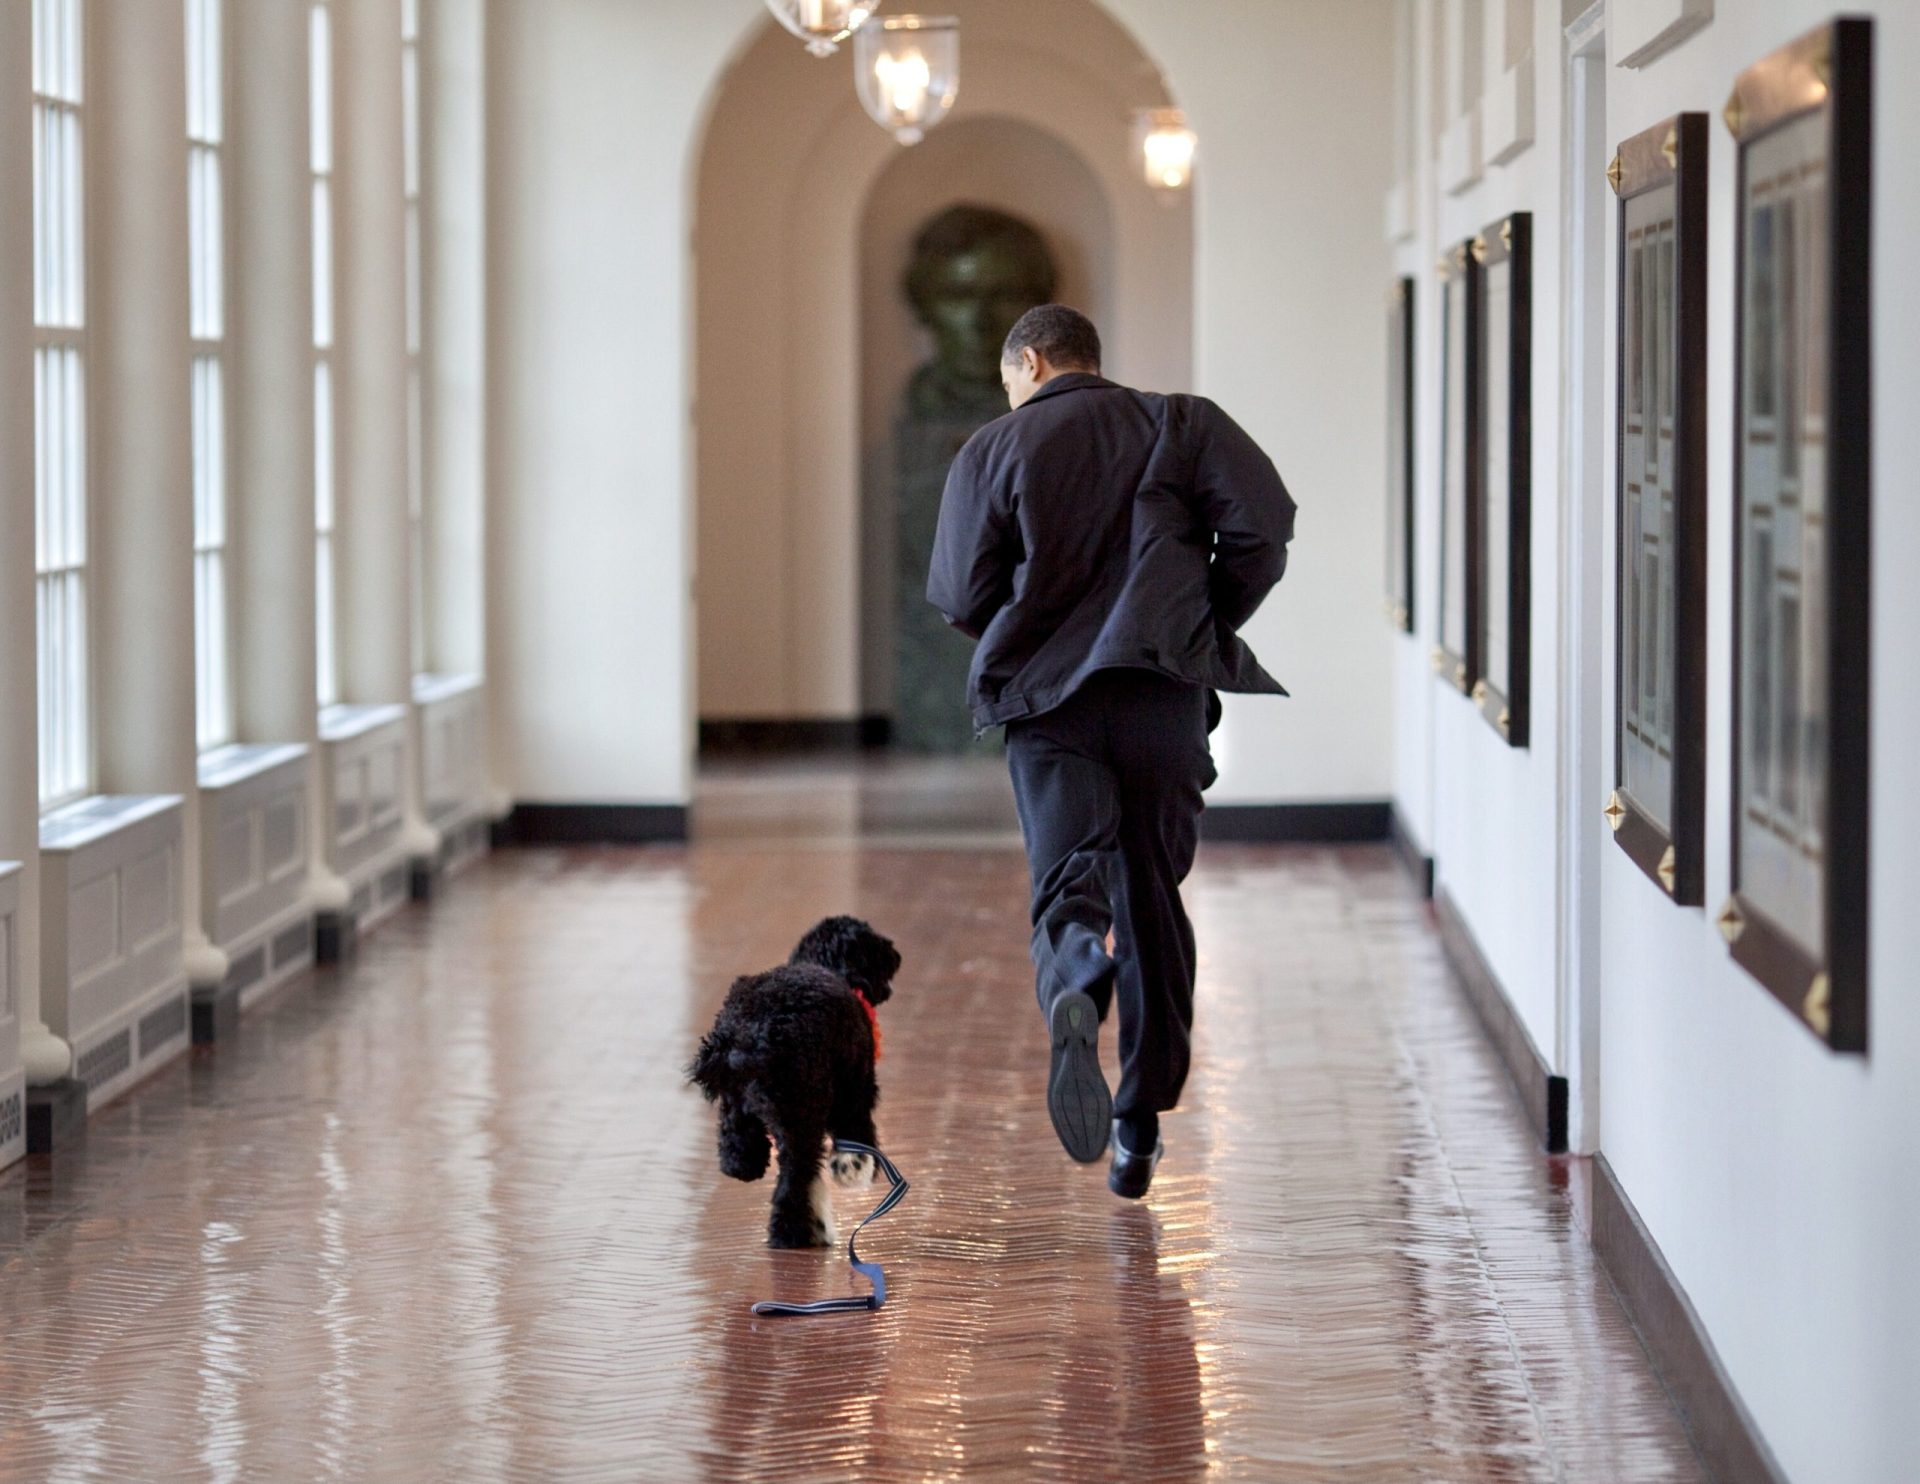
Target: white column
139 380
45 1057
270 392
453 111
374 540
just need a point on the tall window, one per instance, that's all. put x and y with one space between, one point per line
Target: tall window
60 400
207 308
416 427
320 115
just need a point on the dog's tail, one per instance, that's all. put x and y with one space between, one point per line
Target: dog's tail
720 1065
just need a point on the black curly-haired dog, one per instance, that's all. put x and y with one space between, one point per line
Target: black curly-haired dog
790 1059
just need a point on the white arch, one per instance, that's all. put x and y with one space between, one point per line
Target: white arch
786 165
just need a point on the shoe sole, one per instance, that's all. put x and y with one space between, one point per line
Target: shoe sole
1077 1097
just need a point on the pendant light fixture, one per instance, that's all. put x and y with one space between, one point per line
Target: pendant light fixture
1166 148
907 70
822 24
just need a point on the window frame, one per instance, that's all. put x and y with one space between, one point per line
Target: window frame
215 710
413 135
322 158
68 742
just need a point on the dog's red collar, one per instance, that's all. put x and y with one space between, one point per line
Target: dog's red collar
873 1019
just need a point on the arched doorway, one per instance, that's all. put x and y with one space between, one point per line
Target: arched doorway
791 387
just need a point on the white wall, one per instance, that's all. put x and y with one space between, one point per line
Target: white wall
594 107
1292 102
1492 806
1782 1181
1778 1179
596 110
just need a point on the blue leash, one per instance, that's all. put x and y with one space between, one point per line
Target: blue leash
852 1303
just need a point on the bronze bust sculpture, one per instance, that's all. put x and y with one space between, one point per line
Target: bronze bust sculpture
974 272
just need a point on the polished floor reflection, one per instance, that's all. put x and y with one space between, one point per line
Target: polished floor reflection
451 1215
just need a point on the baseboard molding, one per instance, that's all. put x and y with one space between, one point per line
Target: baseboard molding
1542 1094
796 734
1418 863
1365 821
1723 1431
593 824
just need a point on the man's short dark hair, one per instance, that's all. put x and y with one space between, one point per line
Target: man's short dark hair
1063 337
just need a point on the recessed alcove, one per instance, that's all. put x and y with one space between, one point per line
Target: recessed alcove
805 211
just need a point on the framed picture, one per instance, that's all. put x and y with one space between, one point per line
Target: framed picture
1456 657
1797 917
1503 391
1658 808
1400 451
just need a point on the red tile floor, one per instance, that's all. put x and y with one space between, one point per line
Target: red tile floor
451 1215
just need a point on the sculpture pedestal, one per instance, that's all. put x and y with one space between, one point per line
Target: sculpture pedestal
932 658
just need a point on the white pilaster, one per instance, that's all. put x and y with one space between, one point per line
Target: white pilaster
375 538
453 85
45 1057
270 400
143 648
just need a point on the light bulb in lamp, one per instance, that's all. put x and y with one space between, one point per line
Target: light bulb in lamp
1167 148
822 24
907 71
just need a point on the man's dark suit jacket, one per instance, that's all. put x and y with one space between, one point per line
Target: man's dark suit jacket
1102 528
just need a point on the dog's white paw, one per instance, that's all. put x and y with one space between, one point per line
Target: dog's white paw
825 1232
852 1170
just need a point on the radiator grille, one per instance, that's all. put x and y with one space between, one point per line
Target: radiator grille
247 969
101 1064
162 1024
293 943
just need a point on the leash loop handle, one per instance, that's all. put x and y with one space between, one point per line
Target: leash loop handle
871 1271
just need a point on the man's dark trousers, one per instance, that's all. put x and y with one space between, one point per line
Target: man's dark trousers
1108 785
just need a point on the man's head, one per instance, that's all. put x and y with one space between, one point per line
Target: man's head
1044 343
974 272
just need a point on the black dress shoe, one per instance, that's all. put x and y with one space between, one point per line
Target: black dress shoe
1130 1174
1077 1097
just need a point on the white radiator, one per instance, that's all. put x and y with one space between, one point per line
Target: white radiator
13 1082
363 754
112 983
453 765
254 878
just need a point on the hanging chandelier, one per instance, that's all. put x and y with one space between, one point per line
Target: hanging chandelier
823 24
1166 147
907 69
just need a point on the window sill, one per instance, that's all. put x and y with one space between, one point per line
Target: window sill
430 689
235 763
88 821
342 723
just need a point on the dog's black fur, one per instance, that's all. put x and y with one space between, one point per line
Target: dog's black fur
790 1059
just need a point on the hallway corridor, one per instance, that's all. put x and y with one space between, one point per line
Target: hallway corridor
451 1215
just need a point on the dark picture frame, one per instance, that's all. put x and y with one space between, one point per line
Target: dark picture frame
1802 480
1658 806
1456 654
1400 455
1503 394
